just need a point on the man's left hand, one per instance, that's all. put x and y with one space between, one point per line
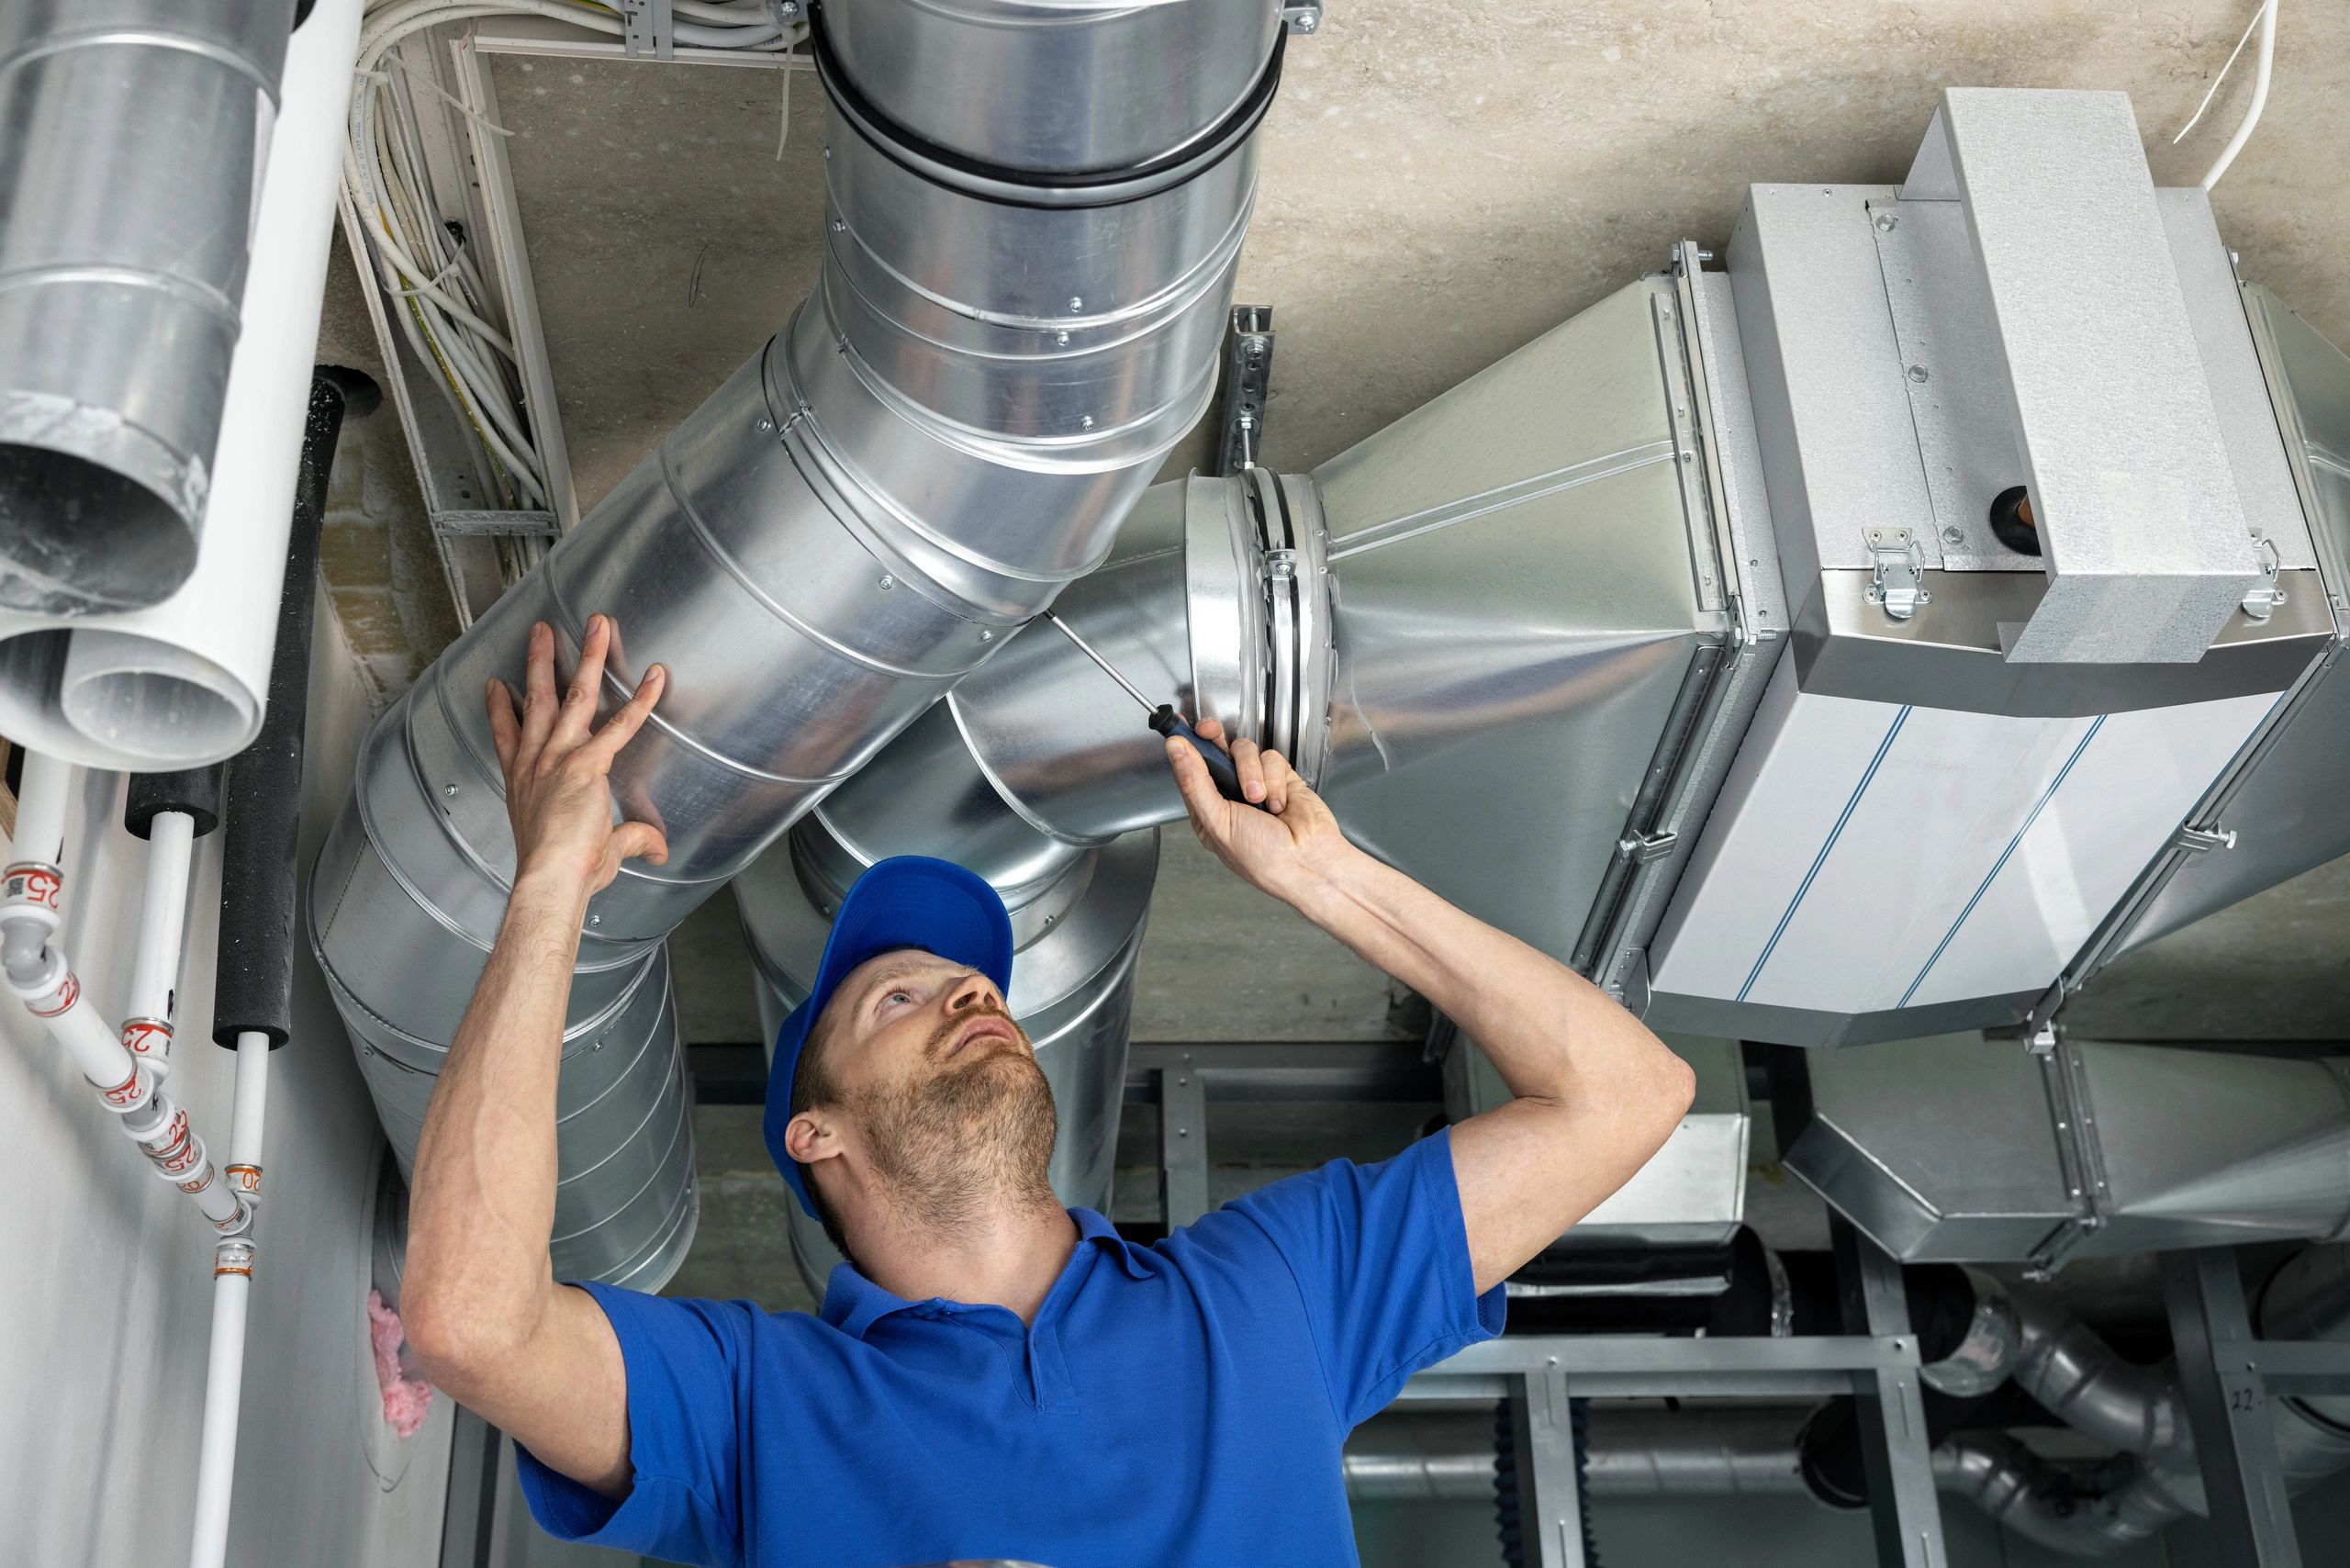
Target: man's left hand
1292 843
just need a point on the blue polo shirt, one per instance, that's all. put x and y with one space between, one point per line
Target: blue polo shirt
1176 1404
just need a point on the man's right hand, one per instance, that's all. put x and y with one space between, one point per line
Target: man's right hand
557 768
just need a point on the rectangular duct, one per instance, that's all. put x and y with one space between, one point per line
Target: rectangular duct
1956 1148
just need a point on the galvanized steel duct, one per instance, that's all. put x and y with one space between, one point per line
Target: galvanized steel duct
117 317
1500 596
1007 335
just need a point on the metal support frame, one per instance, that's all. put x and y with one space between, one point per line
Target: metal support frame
1182 1143
1539 1375
2221 1377
471 185
1550 1503
1247 374
1896 1454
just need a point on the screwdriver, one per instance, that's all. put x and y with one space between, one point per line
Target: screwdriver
1166 721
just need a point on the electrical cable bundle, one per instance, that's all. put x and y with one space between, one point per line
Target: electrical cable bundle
424 264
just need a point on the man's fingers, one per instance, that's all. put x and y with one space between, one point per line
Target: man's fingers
621 727
643 841
1279 776
505 729
1210 730
579 698
538 689
1247 766
1201 797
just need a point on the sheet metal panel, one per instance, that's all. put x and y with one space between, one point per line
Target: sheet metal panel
2144 537
1870 859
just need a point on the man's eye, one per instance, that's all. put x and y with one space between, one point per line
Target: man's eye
900 996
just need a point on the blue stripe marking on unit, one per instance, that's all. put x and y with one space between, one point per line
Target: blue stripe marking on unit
1821 859
1996 865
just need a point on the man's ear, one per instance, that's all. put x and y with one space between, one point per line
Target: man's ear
810 1137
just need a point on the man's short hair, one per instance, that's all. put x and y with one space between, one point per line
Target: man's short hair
812 1086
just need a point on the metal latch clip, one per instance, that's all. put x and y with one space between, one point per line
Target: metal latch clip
1897 572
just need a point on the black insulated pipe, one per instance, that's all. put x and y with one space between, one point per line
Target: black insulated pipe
253 985
194 790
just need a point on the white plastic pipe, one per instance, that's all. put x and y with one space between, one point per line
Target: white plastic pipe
224 1376
182 683
40 808
2263 64
162 924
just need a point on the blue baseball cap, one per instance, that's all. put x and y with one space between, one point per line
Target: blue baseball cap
908 901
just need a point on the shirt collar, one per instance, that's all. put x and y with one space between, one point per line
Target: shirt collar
853 1303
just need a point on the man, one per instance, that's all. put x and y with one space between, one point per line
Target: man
993 1375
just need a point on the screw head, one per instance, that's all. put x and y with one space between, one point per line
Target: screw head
1919 373
449 789
839 227
1885 222
986 635
887 582
765 424
1060 337
1085 421
1076 304
1953 536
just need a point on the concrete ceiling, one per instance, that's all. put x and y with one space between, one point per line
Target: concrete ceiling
1439 184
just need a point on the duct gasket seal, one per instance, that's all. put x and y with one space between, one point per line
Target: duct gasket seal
1294 569
1032 187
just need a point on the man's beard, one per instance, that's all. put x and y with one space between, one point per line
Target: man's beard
960 1139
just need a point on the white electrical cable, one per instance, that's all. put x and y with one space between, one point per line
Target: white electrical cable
2263 19
429 280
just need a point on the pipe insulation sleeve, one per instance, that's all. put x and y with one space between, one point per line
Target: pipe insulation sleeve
944 434
193 791
253 983
183 682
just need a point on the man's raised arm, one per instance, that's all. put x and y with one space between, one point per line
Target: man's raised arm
483 1313
1596 1093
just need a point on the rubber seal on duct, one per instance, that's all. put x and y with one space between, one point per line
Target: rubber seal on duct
1028 187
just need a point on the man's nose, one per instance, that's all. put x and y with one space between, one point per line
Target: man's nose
972 991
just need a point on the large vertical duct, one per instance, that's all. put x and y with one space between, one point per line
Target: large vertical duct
182 682
1020 310
119 312
1076 925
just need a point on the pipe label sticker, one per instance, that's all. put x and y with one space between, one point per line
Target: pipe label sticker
30 882
147 1037
69 991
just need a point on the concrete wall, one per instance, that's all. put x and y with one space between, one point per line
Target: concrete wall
104 1329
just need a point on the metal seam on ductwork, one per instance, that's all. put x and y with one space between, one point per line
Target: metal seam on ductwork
117 326
931 446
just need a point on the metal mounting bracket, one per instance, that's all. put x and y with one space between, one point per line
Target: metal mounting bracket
1897 572
646 29
1247 373
1301 16
2202 840
2078 1153
2262 602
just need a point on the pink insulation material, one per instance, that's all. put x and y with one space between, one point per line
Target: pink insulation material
407 1399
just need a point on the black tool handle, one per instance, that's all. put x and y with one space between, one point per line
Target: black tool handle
1168 721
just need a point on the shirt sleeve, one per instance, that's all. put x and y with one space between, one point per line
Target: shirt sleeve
1380 1256
684 1361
